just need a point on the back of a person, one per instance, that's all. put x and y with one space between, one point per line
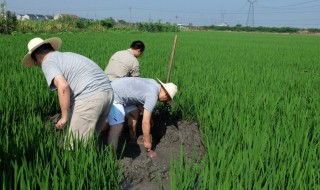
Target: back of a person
121 64
84 76
133 90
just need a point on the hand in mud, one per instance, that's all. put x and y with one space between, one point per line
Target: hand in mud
147 145
61 124
152 154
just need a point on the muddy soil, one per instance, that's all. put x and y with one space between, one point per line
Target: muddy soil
168 136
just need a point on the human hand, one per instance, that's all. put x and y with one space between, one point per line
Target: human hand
147 145
146 139
61 124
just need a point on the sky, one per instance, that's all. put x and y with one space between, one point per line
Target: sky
269 13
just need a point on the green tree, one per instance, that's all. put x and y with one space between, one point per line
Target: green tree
122 22
3 9
8 20
108 23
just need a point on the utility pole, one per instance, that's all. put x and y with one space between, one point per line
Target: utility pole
250 19
176 19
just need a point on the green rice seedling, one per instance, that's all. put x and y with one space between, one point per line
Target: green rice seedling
184 175
255 97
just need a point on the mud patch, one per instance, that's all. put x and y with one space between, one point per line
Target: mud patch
169 136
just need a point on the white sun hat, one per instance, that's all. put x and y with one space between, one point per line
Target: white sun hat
170 88
37 42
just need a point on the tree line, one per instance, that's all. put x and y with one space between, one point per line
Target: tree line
9 24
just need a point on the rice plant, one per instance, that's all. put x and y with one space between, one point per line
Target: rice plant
255 97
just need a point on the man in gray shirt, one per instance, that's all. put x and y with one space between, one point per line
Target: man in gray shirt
84 91
130 91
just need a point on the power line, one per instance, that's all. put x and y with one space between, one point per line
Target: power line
302 3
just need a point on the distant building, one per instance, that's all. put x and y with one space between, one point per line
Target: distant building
223 24
29 17
49 17
33 17
181 26
59 16
19 16
41 17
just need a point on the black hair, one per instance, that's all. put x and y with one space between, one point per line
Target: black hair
42 50
137 45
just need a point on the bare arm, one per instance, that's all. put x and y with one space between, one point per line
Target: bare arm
64 99
146 129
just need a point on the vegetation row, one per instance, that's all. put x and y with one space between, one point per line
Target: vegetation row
10 25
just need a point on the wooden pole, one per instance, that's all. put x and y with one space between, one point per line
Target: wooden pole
171 59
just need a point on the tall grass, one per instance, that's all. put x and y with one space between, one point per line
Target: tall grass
255 97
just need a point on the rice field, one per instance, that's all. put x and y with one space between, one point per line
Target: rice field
255 97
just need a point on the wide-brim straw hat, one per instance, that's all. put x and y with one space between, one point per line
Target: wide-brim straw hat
37 42
171 89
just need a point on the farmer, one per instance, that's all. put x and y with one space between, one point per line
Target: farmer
125 64
130 91
84 91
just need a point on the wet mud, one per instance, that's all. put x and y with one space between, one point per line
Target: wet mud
168 137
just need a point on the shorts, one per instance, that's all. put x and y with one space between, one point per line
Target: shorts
118 112
87 115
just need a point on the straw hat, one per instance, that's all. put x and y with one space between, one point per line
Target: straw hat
171 89
37 42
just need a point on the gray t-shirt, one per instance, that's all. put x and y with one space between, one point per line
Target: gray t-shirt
134 90
85 78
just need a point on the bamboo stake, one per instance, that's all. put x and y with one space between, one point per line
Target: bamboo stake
171 59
